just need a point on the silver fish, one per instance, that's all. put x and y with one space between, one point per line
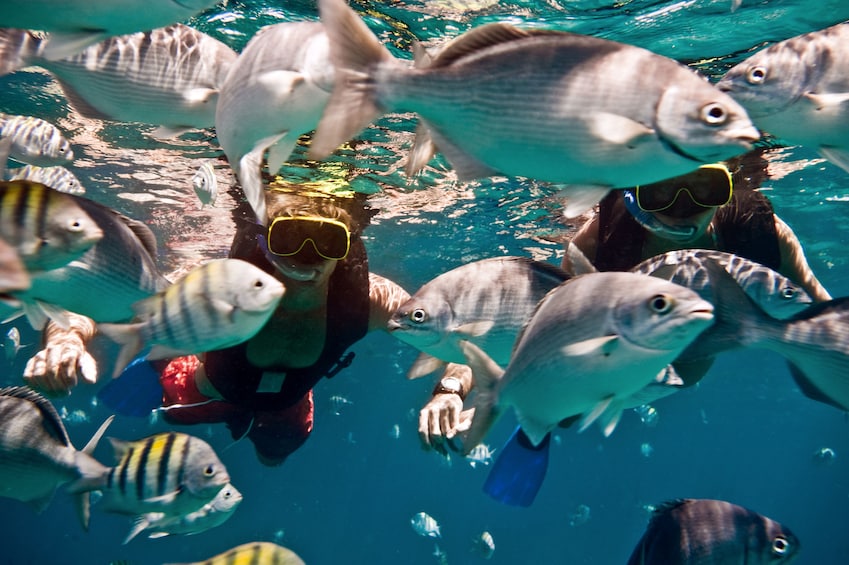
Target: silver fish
35 141
171 472
691 531
120 270
47 228
591 344
12 343
425 525
798 90
481 454
549 105
484 302
219 304
484 545
260 552
776 294
36 454
76 24
276 91
212 514
168 77
205 184
58 178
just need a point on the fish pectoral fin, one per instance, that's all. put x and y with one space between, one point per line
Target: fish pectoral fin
282 83
140 524
199 95
581 197
61 45
839 157
165 499
465 165
596 346
280 151
534 429
619 130
424 365
475 329
422 151
829 102
595 413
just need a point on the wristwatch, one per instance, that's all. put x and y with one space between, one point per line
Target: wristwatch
449 385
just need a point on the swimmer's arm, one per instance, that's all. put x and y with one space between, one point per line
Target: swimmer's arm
794 265
58 367
581 250
385 297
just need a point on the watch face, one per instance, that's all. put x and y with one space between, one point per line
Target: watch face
451 384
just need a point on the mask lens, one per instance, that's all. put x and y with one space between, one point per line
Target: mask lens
288 235
709 186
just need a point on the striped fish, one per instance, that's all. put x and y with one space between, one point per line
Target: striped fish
35 141
47 228
171 472
212 514
776 294
205 184
167 77
255 553
58 178
13 274
219 304
36 454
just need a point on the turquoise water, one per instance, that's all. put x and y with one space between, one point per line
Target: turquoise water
745 434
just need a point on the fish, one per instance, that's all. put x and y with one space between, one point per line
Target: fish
205 184
484 302
210 515
120 269
170 472
36 453
57 177
13 274
592 343
216 305
798 91
12 343
425 525
481 454
484 545
35 141
276 90
571 109
169 77
776 294
691 531
47 228
75 24
257 553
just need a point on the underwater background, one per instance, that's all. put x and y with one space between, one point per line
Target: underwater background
745 434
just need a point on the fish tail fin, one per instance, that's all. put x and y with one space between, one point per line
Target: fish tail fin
91 470
18 47
519 470
130 336
355 52
487 374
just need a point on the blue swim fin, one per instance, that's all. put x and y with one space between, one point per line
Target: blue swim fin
136 392
518 471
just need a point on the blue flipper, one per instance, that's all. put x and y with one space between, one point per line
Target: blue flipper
136 392
518 471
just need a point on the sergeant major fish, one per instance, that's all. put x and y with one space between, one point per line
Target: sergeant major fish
58 178
216 305
592 343
13 274
798 90
205 184
484 302
171 472
212 514
35 141
257 552
549 105
167 77
36 454
276 91
694 531
425 525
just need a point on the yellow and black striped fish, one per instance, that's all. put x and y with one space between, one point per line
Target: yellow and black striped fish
255 553
172 473
47 228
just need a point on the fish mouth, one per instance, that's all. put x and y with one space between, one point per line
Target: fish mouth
393 325
744 135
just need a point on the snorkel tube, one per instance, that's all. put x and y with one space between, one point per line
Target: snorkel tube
654 225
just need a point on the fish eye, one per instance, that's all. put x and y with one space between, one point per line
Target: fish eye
209 471
418 315
714 114
660 304
788 292
780 546
756 75
258 284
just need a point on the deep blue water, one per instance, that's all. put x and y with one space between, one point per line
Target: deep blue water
745 434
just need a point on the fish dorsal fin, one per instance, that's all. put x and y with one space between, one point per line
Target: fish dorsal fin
668 506
479 38
424 365
141 231
52 420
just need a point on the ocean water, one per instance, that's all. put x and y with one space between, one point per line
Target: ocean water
744 434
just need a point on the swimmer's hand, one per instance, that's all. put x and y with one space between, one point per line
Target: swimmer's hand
58 368
442 419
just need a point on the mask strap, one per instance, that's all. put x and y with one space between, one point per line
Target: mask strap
651 223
